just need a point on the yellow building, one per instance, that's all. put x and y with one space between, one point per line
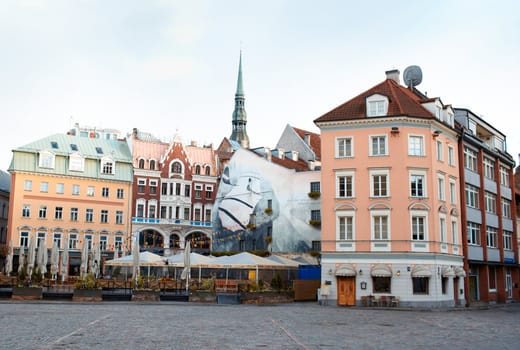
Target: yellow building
71 190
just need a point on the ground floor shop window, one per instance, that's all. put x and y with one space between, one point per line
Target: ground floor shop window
445 285
381 284
420 285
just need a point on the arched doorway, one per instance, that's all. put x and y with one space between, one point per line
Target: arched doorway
175 241
151 241
200 242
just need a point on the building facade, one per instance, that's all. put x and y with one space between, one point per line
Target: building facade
71 190
488 215
391 223
175 186
5 190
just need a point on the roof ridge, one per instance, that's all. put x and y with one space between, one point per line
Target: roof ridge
397 101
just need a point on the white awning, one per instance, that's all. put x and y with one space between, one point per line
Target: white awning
381 270
421 271
459 271
345 270
447 271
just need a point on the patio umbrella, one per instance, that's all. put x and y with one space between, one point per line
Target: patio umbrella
55 257
39 258
65 262
83 268
31 256
45 260
21 260
97 260
135 253
187 266
9 259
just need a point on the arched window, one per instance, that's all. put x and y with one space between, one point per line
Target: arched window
176 168
152 164
141 163
197 169
208 170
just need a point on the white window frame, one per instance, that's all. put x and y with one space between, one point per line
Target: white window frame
441 189
377 214
491 237
415 215
47 160
489 168
472 193
453 191
504 176
416 145
44 187
91 191
440 151
344 147
506 208
345 175
349 228
473 230
419 174
508 240
381 139
76 190
451 156
76 163
490 200
60 188
379 173
470 159
376 105
108 166
27 185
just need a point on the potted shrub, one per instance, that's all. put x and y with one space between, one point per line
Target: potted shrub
144 291
87 289
314 195
28 289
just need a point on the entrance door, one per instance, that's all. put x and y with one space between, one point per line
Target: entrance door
509 283
473 288
346 291
456 290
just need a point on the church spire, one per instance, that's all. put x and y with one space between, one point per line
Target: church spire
239 121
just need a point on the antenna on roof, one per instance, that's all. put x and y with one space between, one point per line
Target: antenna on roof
412 76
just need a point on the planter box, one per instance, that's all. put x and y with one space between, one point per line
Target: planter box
87 295
27 293
146 295
266 297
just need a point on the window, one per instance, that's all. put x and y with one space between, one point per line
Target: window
24 239
451 156
119 217
88 241
89 215
74 214
472 126
440 151
120 193
26 211
105 192
380 227
197 169
73 241
209 191
344 147
27 185
472 196
75 190
76 162
508 240
58 213
378 145
418 228
315 186
489 168
164 189
345 226
141 183
186 213
417 185
60 188
177 189
270 203
415 145
376 108
198 191
153 186
470 159
420 285
473 233
99 150
492 278
103 242
187 191
140 210
90 191
196 214
382 284
43 212
454 232
176 168
453 192
379 183
442 227
345 185
491 202
207 170
152 208
107 166
104 216
73 147
44 187
506 208
504 176
141 164
46 160
440 181
40 241
152 164
315 215
57 239
118 243
491 237
207 215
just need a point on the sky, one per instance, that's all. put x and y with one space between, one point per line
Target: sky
168 67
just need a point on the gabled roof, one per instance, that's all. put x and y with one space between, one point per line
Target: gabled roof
202 156
401 102
315 141
298 165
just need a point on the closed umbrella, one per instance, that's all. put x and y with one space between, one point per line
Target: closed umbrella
39 257
55 259
97 260
45 260
187 264
31 256
83 269
21 260
135 253
65 262
9 259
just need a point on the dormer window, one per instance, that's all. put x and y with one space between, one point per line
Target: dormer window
76 162
107 166
377 105
46 160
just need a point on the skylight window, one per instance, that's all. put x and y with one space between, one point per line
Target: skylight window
54 144
99 150
73 147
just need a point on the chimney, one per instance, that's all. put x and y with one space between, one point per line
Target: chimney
294 155
281 153
312 165
307 138
394 75
267 153
193 143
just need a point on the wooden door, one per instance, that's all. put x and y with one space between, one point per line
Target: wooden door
346 291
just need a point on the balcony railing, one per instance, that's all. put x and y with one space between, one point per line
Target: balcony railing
171 222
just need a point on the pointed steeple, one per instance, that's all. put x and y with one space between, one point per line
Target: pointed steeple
239 121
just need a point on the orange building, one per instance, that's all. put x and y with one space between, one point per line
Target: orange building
71 190
391 226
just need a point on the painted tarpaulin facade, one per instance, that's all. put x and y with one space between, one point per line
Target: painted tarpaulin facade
260 197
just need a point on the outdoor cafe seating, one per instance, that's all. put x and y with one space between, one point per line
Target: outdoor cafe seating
380 301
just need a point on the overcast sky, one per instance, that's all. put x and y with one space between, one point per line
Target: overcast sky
163 66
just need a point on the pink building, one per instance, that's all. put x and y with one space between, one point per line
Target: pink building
391 228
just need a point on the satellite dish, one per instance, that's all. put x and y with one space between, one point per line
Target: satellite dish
412 76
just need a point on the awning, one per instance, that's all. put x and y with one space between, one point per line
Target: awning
345 270
459 271
447 271
381 270
421 271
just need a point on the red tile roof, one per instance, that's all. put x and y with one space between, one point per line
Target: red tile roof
402 102
315 141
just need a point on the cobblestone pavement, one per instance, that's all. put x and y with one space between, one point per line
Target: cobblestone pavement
175 325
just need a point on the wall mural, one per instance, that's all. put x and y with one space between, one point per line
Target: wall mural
263 206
